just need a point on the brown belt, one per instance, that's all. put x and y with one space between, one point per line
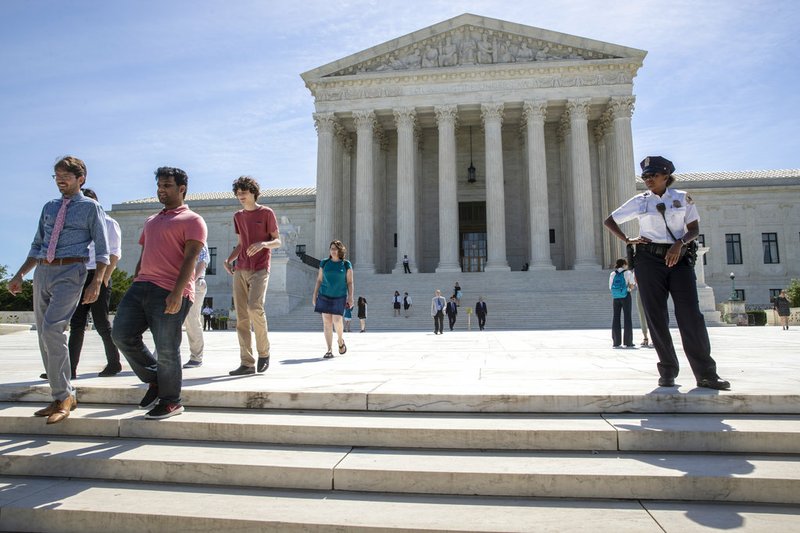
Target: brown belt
62 261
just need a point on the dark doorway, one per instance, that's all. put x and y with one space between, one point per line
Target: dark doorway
472 232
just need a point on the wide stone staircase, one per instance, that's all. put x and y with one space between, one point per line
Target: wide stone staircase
577 464
516 300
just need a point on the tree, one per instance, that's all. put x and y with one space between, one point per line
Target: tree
120 282
19 302
793 293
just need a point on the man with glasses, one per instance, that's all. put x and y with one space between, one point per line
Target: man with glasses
59 252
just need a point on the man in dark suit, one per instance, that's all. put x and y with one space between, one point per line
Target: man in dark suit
481 311
452 311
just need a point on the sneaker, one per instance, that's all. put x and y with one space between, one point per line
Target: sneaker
150 397
263 364
242 371
164 410
193 364
110 370
714 383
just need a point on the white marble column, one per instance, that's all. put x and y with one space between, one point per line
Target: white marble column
406 209
365 187
492 116
324 210
534 113
585 255
446 117
621 111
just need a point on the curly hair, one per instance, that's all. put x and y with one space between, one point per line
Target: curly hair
246 183
71 164
180 177
342 249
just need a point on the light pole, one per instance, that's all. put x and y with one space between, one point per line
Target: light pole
733 287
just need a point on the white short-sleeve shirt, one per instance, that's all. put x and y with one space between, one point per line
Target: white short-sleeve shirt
679 211
114 243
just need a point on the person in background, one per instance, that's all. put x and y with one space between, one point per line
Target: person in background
457 293
481 311
668 222
348 317
208 314
620 283
452 311
362 313
407 304
194 319
333 292
396 303
783 308
438 304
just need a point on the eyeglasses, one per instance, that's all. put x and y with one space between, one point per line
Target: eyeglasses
67 177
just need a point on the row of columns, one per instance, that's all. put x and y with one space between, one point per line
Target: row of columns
619 164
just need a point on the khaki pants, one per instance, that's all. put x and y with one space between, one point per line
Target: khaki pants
194 322
249 291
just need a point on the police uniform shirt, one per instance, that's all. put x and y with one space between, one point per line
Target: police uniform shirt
680 211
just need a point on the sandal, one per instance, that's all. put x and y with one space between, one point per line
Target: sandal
328 355
644 343
342 348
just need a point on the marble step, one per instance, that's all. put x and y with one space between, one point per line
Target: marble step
593 475
679 433
59 505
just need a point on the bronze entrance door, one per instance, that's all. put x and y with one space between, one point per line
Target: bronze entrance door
472 232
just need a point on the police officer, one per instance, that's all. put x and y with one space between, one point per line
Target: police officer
668 222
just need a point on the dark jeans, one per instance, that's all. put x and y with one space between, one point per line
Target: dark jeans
623 306
141 308
438 322
481 320
656 283
77 325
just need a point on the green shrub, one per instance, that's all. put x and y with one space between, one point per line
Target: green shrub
757 318
793 293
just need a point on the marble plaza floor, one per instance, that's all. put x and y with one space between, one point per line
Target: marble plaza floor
500 371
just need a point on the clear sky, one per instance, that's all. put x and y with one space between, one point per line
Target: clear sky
214 87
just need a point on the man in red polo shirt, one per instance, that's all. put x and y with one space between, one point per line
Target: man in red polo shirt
161 295
257 229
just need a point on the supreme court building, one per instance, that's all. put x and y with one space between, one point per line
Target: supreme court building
474 145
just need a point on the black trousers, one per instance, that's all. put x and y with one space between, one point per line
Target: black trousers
438 322
656 283
481 320
406 268
207 322
452 320
622 306
77 325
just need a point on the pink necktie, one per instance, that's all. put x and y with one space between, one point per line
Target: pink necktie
59 225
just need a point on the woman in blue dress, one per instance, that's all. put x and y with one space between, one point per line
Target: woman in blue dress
332 293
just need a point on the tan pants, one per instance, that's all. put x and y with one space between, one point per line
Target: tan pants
249 291
194 322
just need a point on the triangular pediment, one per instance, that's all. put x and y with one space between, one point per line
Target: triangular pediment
467 41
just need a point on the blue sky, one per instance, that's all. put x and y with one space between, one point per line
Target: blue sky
214 87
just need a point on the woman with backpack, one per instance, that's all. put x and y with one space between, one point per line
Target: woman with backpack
620 282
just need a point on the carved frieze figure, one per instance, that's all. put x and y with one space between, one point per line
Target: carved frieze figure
541 54
391 64
502 54
414 59
449 55
524 53
431 57
485 50
469 51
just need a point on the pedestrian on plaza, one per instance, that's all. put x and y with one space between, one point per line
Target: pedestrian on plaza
396 303
782 306
257 231
194 319
457 293
333 292
99 308
452 311
161 295
664 263
348 317
640 309
407 304
59 251
620 283
438 304
481 311
406 265
362 313
208 315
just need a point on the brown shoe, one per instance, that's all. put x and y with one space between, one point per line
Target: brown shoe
62 412
47 411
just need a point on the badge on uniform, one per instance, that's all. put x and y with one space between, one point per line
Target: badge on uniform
676 204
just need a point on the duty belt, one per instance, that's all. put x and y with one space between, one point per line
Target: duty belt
655 248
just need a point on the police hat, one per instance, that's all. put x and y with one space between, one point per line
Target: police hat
656 164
